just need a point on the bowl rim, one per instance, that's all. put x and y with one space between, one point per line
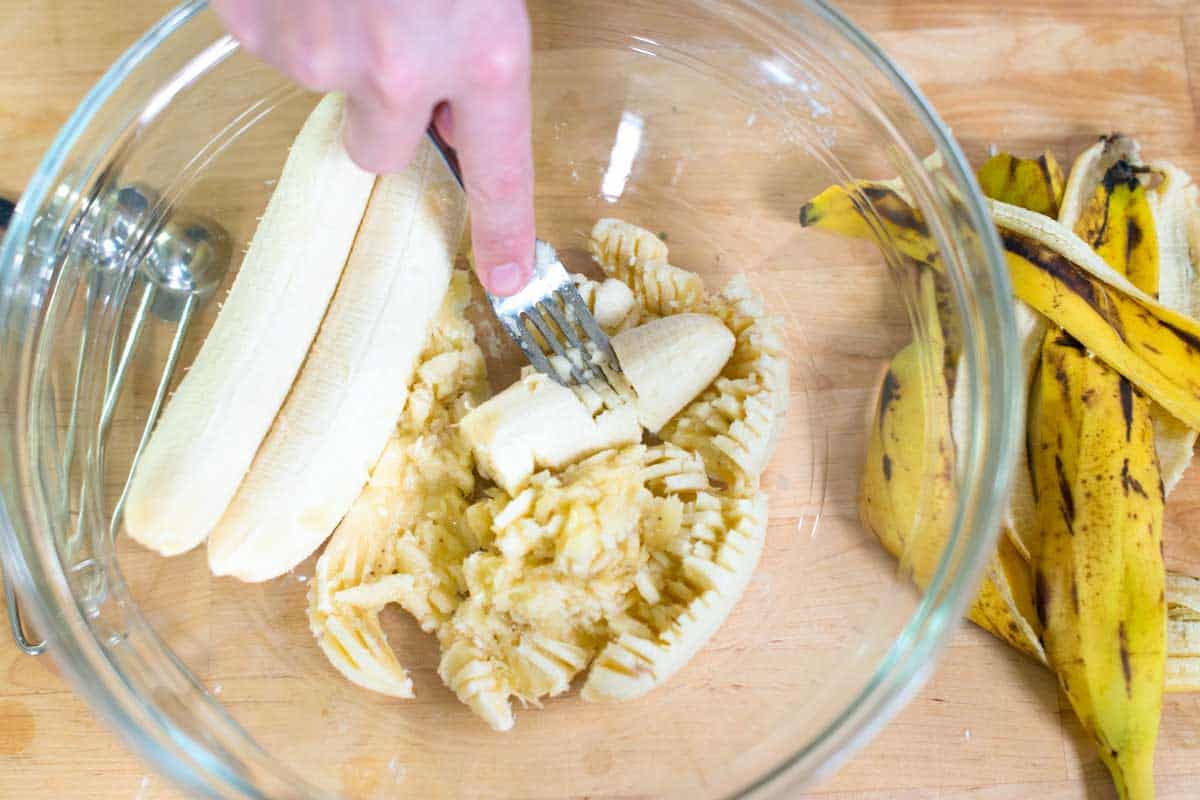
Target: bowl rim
900 673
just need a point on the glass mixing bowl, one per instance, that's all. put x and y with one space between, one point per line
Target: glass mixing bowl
708 121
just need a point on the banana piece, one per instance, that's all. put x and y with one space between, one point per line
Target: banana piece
611 302
1036 184
627 557
734 425
670 360
212 427
1099 578
638 258
558 559
539 424
402 541
350 392
705 575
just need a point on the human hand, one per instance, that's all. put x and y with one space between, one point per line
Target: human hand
465 62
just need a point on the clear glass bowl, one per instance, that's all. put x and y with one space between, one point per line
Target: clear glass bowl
709 121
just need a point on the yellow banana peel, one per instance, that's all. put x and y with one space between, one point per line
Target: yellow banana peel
1084 589
1098 573
1033 183
1057 274
872 210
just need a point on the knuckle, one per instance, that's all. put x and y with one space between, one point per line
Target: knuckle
309 59
394 82
498 64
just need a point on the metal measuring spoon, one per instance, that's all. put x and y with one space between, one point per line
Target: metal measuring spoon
185 264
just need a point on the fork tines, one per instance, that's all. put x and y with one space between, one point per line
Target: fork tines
555 330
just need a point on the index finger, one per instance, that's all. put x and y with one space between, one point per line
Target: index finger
492 137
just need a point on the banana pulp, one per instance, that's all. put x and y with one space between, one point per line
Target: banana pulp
1103 266
535 533
591 549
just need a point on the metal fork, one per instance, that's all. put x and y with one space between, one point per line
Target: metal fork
548 319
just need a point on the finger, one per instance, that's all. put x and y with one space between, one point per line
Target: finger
382 138
245 20
315 42
492 135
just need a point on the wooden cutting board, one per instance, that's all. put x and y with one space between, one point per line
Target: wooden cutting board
1024 76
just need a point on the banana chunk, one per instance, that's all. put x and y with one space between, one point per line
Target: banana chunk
638 258
212 427
735 423
539 424
704 576
611 302
671 360
317 456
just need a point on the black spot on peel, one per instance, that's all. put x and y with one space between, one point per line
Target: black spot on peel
1064 382
1126 389
1064 491
1130 483
1029 465
808 215
1162 490
1051 263
1188 338
1041 597
1066 273
887 467
1065 339
1120 173
891 207
1133 238
888 394
1044 164
1075 598
1012 628
1125 666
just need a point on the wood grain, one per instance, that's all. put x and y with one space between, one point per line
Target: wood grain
1026 74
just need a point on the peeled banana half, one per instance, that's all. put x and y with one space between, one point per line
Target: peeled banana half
210 430
316 457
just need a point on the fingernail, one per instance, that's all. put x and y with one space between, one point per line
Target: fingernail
505 279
